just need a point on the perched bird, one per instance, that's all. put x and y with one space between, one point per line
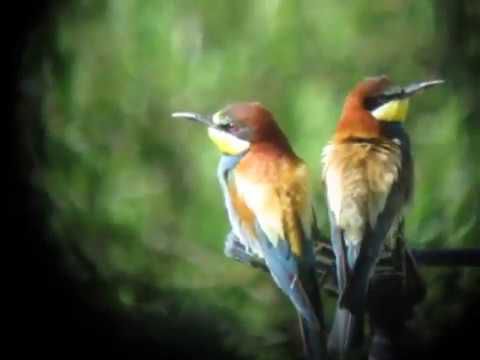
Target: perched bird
368 174
267 195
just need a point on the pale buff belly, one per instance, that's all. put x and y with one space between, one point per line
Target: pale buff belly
358 178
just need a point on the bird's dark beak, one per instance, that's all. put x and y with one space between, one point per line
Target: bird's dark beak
399 93
205 120
410 90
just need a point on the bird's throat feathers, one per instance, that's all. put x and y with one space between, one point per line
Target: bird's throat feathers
227 143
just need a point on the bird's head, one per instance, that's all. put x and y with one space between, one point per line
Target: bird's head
385 101
375 100
237 127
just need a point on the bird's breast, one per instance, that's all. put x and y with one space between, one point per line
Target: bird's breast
276 190
241 218
358 178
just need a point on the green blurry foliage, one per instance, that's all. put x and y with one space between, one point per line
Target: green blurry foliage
136 190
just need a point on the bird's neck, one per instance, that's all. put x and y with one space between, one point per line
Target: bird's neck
356 122
266 159
271 149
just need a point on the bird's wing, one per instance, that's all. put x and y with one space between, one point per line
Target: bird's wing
355 293
390 174
347 329
382 182
282 223
365 191
362 190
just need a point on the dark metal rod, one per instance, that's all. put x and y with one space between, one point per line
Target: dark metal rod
448 257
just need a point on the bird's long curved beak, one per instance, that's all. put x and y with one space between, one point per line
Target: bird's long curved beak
410 90
399 94
205 120
392 104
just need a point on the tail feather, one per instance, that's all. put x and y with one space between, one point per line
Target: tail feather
312 340
354 295
346 334
314 334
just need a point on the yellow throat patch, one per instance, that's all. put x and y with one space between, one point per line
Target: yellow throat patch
227 143
395 110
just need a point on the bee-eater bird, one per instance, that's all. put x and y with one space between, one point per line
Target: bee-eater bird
368 174
266 189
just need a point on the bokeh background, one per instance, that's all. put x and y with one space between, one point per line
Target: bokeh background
130 195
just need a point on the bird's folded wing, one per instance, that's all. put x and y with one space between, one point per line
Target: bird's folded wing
283 225
354 295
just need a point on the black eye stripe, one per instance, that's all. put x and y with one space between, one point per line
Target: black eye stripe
229 127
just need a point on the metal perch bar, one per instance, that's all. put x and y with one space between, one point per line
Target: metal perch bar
448 257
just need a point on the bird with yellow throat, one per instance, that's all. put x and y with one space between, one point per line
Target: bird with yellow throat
368 174
268 199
